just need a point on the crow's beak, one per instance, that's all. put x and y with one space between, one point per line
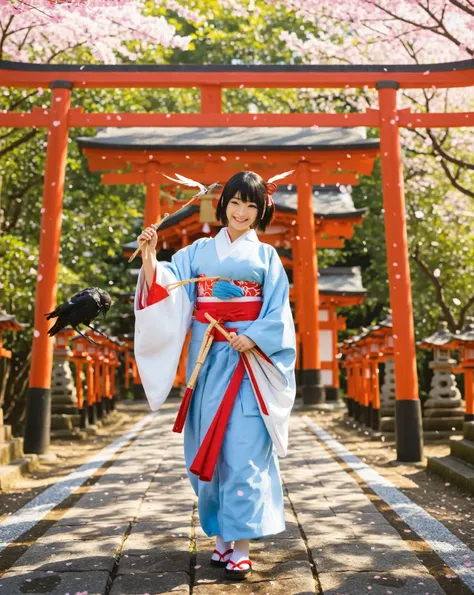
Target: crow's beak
104 313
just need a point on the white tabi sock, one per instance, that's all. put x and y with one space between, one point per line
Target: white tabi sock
241 552
222 546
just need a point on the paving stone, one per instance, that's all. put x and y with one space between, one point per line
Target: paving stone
62 553
370 531
357 507
179 484
325 492
264 569
173 583
120 509
52 583
173 525
90 521
302 585
146 536
317 527
163 508
307 498
84 532
364 518
301 485
171 555
398 583
313 509
267 550
359 556
341 483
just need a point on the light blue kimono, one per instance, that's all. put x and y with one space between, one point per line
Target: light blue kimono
244 500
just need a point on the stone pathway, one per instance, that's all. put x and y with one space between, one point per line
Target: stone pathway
136 532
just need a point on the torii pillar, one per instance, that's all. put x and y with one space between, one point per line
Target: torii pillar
408 421
312 390
38 404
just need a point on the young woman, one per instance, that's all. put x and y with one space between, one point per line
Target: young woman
239 397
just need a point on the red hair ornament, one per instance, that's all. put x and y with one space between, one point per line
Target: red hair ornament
272 187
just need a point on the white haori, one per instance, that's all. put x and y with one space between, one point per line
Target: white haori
160 331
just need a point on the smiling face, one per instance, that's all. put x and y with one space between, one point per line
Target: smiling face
246 191
241 215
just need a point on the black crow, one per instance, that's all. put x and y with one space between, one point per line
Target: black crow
82 308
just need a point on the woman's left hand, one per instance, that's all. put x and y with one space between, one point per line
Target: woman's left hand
241 342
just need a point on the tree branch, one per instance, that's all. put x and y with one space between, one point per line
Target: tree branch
20 141
462 7
438 289
439 149
454 180
439 29
12 219
4 35
443 31
464 310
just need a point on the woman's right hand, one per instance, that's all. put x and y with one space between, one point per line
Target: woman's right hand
148 239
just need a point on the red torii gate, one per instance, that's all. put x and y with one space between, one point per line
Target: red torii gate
211 79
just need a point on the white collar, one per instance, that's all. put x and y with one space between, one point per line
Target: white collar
224 246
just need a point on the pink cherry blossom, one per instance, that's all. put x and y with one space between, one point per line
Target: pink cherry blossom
44 30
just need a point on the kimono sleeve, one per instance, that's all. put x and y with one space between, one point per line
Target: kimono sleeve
273 380
160 328
274 329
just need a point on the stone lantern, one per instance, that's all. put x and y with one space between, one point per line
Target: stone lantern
63 387
457 468
9 323
444 396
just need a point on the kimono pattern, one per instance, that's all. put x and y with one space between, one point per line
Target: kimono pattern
244 498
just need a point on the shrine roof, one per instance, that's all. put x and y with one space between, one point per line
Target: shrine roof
337 280
341 281
329 201
9 322
230 139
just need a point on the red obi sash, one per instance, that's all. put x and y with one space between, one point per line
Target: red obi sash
206 458
232 312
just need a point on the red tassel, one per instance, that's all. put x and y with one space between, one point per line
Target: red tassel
183 411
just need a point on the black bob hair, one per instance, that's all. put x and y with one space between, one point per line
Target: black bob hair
251 188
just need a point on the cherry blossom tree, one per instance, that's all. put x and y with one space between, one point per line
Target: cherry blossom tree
391 31
112 30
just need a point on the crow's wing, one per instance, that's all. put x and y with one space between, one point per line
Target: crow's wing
61 311
87 292
68 313
85 309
